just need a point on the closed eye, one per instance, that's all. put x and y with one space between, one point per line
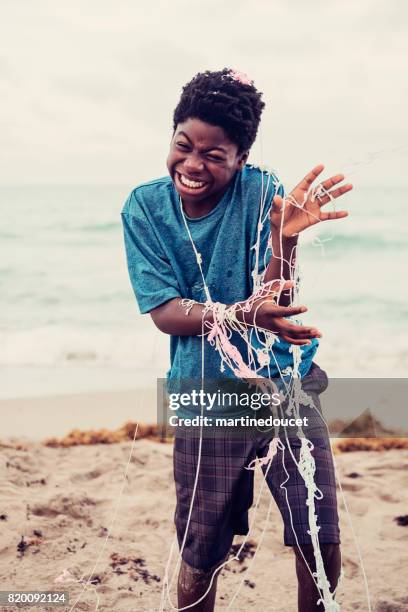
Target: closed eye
186 147
215 158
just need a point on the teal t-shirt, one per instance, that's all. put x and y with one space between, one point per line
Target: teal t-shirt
162 264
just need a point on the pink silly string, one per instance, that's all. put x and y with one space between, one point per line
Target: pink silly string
66 577
219 335
243 78
259 461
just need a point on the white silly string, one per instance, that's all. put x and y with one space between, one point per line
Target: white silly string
227 320
67 577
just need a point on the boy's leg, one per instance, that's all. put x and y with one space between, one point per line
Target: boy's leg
308 594
291 500
192 584
290 493
223 495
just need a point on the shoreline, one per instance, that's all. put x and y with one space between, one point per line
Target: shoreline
111 416
37 418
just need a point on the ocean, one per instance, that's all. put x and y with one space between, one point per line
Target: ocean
69 319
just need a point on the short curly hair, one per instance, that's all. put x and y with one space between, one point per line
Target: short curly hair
226 99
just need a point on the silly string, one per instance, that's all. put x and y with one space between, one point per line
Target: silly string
227 320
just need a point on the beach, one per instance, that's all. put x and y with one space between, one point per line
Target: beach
68 514
90 98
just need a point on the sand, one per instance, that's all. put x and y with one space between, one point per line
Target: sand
56 505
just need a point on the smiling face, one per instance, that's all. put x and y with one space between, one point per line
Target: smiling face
202 162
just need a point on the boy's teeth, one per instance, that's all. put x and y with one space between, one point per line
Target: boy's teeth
192 184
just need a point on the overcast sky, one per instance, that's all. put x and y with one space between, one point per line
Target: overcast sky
88 87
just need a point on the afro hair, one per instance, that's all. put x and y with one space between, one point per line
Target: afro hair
224 98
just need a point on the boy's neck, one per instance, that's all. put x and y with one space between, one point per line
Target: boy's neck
197 210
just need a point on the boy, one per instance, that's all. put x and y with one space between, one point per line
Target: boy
190 236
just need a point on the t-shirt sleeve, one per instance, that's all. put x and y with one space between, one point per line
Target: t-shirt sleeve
265 251
151 274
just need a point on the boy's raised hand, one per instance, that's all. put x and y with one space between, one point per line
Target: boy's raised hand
303 206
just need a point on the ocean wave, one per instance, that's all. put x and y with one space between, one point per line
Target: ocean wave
56 345
4 272
358 242
105 226
8 235
101 227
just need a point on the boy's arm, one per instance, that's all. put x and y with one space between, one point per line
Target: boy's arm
171 319
303 209
282 254
281 263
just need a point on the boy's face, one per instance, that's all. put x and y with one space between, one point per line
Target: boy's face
202 161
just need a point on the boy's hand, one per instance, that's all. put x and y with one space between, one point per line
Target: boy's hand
303 205
266 314
271 317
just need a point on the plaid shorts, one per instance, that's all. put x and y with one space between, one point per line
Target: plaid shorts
224 490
